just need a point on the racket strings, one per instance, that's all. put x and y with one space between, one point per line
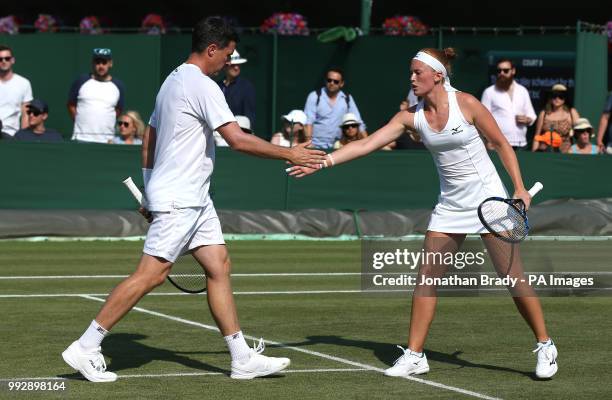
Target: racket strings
188 276
504 219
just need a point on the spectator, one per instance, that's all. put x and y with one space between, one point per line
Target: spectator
509 103
239 92
583 131
96 100
131 129
243 123
410 139
292 131
350 131
325 108
604 143
38 112
555 123
15 94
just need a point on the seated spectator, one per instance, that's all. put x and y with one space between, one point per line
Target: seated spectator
131 129
37 112
410 139
583 131
243 122
293 130
350 131
554 124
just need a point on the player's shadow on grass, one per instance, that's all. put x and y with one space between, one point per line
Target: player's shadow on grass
126 351
388 353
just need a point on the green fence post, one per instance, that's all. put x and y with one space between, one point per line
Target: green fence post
366 13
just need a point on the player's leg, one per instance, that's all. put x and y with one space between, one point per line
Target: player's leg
506 258
84 354
424 300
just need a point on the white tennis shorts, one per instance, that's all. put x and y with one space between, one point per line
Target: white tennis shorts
176 232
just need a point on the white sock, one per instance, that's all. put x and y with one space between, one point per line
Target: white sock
416 353
93 336
547 342
238 347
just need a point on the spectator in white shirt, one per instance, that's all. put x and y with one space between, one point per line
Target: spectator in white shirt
15 94
96 100
510 105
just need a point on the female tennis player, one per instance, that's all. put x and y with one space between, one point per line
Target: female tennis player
448 122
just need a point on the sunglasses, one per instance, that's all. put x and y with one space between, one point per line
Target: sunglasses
35 113
504 70
335 81
102 61
123 123
101 52
558 96
7 59
351 126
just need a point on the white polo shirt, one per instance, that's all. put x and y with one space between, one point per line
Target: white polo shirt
13 93
505 109
188 107
96 108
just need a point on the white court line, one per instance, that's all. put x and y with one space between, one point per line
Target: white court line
184 374
310 352
281 274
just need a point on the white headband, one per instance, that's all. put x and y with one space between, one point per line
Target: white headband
437 66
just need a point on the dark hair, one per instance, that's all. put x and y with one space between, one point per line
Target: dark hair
212 30
4 47
336 70
445 56
502 60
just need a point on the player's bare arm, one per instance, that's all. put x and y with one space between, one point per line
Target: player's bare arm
148 154
251 144
482 119
379 139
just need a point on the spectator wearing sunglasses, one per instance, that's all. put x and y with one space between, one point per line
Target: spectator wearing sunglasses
554 127
325 108
350 130
509 103
38 112
15 94
96 100
131 129
239 92
583 132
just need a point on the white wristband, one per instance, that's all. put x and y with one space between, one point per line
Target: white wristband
331 159
146 175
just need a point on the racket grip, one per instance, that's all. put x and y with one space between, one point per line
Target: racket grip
535 189
129 183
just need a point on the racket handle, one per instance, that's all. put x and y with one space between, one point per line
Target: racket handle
129 183
535 189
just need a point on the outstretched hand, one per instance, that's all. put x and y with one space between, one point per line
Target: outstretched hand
304 156
300 171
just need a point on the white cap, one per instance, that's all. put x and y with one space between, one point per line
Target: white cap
296 116
235 58
243 122
349 119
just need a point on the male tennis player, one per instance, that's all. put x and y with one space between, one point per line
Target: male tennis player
178 157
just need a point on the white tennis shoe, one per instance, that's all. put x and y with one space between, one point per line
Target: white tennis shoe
408 364
547 360
258 364
89 363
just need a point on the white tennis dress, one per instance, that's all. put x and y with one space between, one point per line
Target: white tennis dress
467 175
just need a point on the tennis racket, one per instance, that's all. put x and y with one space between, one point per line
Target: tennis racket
506 218
186 274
